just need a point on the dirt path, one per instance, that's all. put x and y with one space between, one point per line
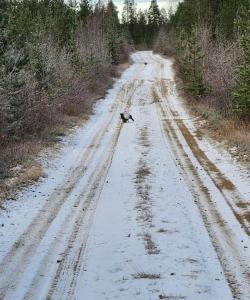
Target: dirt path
142 210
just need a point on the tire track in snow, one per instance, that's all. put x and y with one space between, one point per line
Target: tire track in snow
18 258
62 287
31 270
210 213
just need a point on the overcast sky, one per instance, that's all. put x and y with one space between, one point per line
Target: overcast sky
144 4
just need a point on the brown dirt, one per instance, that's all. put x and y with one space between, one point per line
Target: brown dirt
150 246
144 275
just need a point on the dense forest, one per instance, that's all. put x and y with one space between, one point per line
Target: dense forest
47 50
53 55
211 42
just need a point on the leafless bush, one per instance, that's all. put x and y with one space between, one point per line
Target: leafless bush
165 43
219 68
14 153
30 97
92 46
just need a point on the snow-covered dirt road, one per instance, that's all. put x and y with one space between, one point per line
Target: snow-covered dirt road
144 210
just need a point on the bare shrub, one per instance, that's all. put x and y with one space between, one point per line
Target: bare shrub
92 46
235 134
30 96
219 68
165 43
31 174
16 152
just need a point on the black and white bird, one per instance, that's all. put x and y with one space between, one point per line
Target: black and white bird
126 117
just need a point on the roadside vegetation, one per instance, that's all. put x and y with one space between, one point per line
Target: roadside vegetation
56 59
210 41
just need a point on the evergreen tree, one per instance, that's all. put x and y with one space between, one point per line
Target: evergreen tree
242 95
129 16
154 14
85 10
154 21
46 46
112 29
191 64
141 28
218 23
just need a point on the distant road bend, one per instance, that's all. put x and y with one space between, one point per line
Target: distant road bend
141 210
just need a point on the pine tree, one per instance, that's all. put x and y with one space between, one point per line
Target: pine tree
112 30
242 95
154 21
85 10
154 14
190 57
140 28
129 16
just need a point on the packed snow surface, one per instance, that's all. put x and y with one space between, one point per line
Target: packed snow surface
139 210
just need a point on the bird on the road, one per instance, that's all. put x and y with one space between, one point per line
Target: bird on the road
126 117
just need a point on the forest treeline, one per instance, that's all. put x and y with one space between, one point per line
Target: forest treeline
55 56
49 49
211 42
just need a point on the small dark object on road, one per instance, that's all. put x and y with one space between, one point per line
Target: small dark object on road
145 63
126 117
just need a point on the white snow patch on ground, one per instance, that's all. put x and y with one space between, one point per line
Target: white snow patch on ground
129 211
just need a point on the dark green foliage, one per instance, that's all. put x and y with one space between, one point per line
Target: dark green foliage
143 26
190 58
129 17
242 94
113 32
220 15
140 34
85 11
154 22
46 48
226 21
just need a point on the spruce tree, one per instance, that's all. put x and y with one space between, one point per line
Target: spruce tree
140 28
129 16
85 10
154 21
241 101
112 30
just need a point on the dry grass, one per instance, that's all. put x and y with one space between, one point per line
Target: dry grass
142 172
17 167
150 246
164 87
31 174
144 141
155 95
171 297
235 134
144 275
15 153
22 177
143 190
